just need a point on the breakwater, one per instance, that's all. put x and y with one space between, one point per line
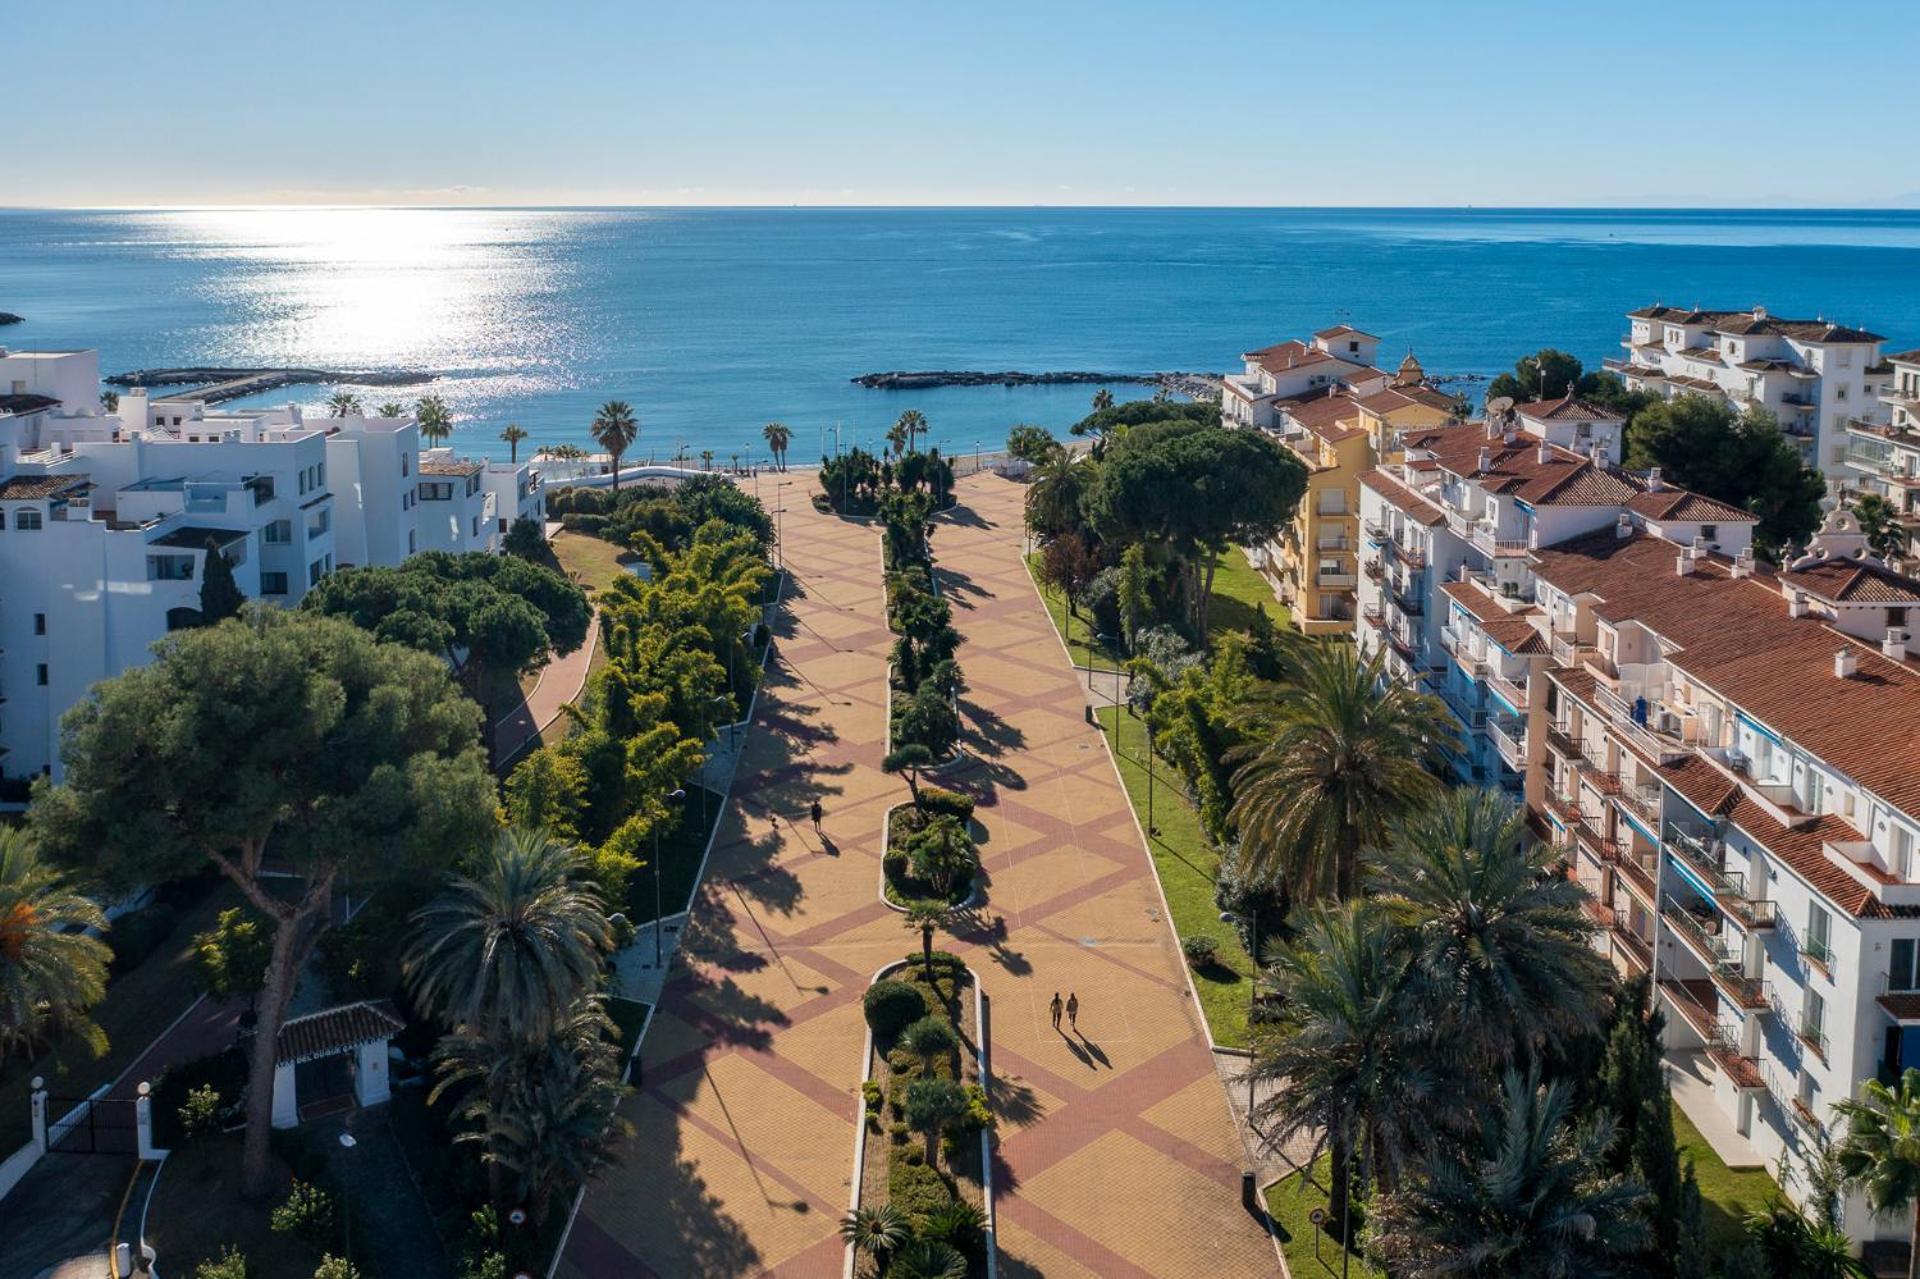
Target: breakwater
213 385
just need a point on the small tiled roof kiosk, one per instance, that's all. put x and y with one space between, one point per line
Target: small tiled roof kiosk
358 1031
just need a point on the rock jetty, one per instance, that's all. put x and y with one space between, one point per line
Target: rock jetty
921 379
216 384
8 317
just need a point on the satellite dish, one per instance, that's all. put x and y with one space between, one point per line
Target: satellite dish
1500 405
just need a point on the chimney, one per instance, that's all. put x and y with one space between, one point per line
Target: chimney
1846 663
1683 564
1700 545
1654 483
1894 646
1509 435
1743 563
1543 454
1493 426
1797 604
1598 453
1486 460
1623 527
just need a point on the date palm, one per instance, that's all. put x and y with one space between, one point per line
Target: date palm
1534 1199
1504 959
1102 400
876 1232
1332 757
1881 1151
51 970
436 421
343 404
614 429
778 436
513 434
1349 1049
1053 496
392 408
913 424
507 950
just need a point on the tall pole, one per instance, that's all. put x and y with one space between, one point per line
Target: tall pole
1148 726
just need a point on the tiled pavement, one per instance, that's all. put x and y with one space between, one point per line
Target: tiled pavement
1116 1156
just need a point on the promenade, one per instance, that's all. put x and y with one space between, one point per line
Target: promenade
1116 1153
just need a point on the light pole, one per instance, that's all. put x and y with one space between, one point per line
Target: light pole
659 920
346 1196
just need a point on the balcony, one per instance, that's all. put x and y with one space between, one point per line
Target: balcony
1704 855
1812 1034
1372 569
1742 1071
1640 868
1376 530
1475 720
1565 746
1635 949
1706 939
1336 581
1642 799
1629 717
1486 537
1515 695
1509 733
1407 555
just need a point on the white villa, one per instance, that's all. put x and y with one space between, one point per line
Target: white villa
1815 376
1885 455
106 520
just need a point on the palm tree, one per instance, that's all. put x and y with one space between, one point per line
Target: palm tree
343 404
507 951
875 1232
778 436
928 1259
932 1106
51 970
513 435
1791 1243
392 408
1534 1200
925 916
436 422
1102 400
1332 756
1053 495
706 459
1503 951
1881 1151
614 429
557 1125
110 401
1349 1048
913 424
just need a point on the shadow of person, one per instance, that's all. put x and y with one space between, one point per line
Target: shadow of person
827 845
1092 1049
1077 1050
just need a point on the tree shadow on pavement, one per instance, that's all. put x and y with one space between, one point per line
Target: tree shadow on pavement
989 727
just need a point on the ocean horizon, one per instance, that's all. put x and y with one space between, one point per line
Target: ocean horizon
712 322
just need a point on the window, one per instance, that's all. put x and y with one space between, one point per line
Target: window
1900 971
1710 531
26 519
1900 845
39 623
406 466
273 583
40 674
1819 943
1813 1021
319 522
169 568
412 538
436 491
1896 617
277 533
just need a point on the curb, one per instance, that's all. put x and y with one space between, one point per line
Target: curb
977 897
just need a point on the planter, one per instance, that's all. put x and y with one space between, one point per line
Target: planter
891 895
874 1142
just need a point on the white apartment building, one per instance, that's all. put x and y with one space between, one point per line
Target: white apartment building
1448 521
1885 455
1815 376
1340 358
106 521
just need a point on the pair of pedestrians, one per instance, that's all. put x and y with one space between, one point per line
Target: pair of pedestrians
1073 1010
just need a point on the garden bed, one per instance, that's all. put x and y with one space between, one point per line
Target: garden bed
893 1158
898 884
196 1213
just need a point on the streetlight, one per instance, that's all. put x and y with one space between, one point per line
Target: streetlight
659 920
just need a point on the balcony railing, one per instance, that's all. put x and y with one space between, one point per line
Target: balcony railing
1487 539
1375 529
1704 937
1636 948
1641 798
1812 1034
1372 569
1515 694
1412 557
1631 723
1509 733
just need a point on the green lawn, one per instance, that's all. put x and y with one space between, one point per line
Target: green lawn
680 852
591 561
1237 591
1185 862
1289 1200
1727 1196
139 1004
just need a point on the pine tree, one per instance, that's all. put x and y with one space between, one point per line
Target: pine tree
1633 1086
220 596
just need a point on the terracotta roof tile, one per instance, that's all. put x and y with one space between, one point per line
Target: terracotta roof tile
28 488
1415 507
1568 408
1851 582
335 1030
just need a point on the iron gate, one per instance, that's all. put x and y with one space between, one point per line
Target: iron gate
92 1126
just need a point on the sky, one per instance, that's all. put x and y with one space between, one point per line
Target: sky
1211 102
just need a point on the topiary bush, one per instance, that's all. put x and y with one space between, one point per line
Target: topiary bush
1201 951
917 1189
937 801
931 1039
891 1006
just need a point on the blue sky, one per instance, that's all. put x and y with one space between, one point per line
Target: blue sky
113 102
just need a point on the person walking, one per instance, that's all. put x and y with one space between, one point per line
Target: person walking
1055 1006
817 813
1073 1010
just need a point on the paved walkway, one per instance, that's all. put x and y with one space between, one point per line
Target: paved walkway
1117 1156
560 682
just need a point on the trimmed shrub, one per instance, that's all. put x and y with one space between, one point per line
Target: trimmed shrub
892 1005
306 1212
230 1264
937 801
1201 951
332 1267
224 1074
138 933
979 1115
930 1038
200 1112
872 1094
917 1189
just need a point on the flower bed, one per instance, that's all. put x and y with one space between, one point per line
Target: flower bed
925 1036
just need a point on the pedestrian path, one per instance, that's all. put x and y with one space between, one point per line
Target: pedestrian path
1117 1156
560 682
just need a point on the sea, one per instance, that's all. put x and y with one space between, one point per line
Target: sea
711 323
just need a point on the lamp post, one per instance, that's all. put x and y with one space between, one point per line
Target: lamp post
346 1196
659 920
